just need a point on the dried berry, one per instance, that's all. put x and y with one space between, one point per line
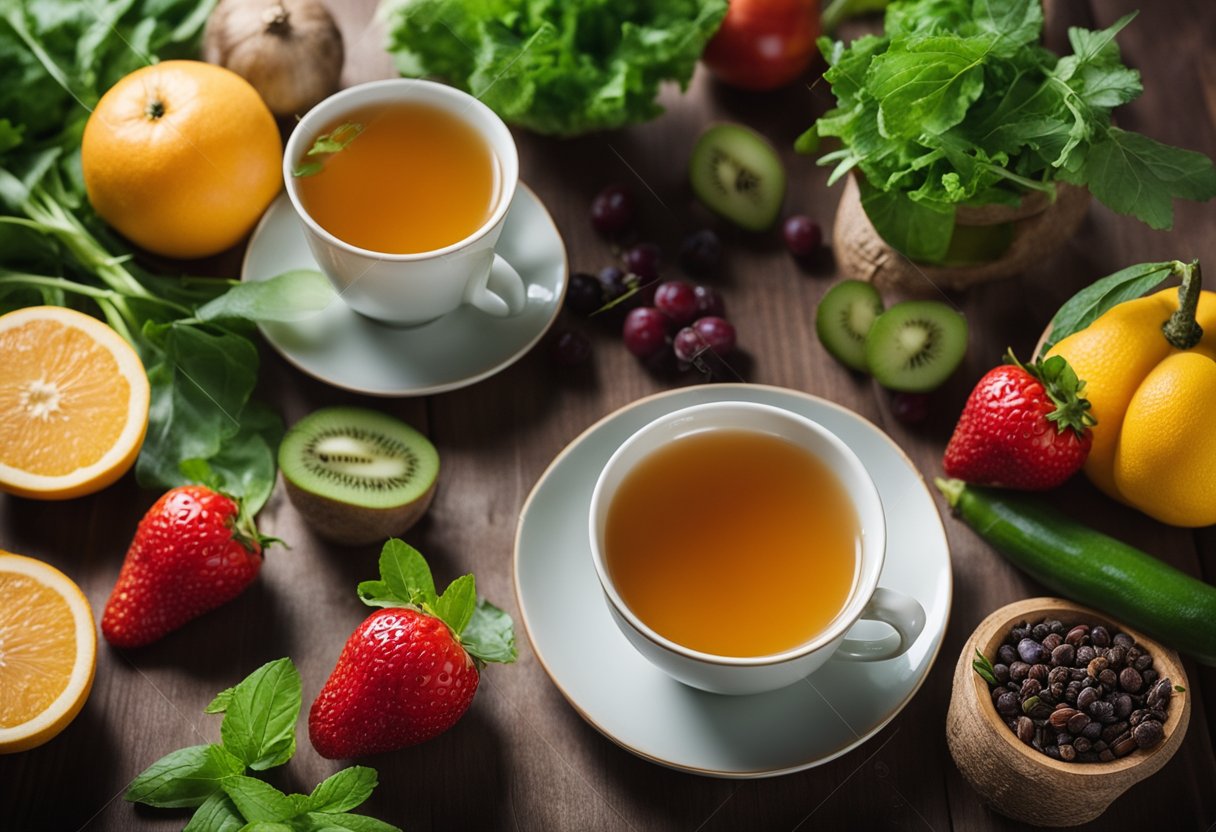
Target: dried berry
1018 671
1031 651
1063 655
1008 704
1077 723
1124 745
1060 716
1076 636
1148 734
1100 636
1025 729
1130 680
1087 697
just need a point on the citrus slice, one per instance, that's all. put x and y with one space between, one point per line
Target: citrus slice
48 651
73 403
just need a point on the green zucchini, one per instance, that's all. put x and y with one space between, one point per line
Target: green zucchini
1092 568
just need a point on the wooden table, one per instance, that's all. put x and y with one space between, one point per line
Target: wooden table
522 758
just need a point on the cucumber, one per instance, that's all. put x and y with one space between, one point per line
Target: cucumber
1092 568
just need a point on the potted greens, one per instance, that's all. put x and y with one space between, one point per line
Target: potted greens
971 150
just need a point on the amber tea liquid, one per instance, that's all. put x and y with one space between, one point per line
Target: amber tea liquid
733 543
416 179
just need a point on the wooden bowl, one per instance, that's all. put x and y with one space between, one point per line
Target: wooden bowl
1015 779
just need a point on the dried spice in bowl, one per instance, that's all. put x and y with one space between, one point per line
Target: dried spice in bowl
1079 693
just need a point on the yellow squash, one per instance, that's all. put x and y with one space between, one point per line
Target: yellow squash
1152 387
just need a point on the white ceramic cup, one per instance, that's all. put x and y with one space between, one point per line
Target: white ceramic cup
411 289
745 675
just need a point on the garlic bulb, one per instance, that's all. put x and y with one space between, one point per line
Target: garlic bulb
289 50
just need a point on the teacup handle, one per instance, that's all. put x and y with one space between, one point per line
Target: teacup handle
903 613
501 293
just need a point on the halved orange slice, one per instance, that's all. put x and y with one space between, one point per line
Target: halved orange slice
73 403
48 652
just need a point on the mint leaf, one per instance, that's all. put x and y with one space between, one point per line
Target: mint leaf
1099 297
1133 174
335 140
406 574
186 777
457 603
354 823
926 85
217 814
342 791
307 169
377 594
290 296
220 703
490 634
258 800
267 826
260 723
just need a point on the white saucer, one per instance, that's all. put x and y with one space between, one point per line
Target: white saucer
645 711
347 350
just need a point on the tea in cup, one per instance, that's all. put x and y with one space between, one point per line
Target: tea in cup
403 188
736 545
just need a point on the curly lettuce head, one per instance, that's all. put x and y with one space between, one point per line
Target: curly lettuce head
561 67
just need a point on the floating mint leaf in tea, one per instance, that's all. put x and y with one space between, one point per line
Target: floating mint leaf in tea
327 143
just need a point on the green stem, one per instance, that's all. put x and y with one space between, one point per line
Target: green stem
952 490
1182 330
23 279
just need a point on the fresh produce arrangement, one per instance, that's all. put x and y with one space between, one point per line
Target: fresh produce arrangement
561 67
410 670
1077 694
956 104
258 733
1093 568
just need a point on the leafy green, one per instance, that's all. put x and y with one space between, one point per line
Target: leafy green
326 145
555 66
56 60
485 631
957 104
258 731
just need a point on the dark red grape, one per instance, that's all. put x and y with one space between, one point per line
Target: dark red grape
687 344
569 349
910 408
802 235
718 333
612 210
584 295
643 260
677 300
709 302
645 331
701 252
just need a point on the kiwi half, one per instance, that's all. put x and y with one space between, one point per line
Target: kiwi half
737 174
915 345
358 476
843 319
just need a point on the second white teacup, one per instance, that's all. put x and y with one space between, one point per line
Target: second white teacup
755 674
411 289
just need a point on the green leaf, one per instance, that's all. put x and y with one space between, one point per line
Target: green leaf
490 634
926 85
290 296
336 140
267 826
406 574
353 823
220 703
1133 174
377 594
983 667
245 465
258 800
260 723
186 777
342 791
455 607
1099 297
920 230
217 814
1014 23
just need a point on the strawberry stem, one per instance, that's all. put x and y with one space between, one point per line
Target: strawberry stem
1066 391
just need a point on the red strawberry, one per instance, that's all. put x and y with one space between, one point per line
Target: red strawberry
190 554
408 673
1024 427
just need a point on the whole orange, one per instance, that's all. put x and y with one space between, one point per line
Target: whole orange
182 157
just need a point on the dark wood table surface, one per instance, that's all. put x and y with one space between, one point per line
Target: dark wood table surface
522 758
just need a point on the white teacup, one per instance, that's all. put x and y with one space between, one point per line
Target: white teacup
410 289
746 675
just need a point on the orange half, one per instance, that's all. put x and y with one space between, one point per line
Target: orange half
73 403
48 652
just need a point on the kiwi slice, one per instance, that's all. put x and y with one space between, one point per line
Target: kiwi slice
737 174
358 476
914 346
843 319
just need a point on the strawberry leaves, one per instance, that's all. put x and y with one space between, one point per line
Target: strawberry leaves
258 732
485 631
1066 391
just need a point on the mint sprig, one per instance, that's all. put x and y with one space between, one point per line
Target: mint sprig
258 732
485 631
327 144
